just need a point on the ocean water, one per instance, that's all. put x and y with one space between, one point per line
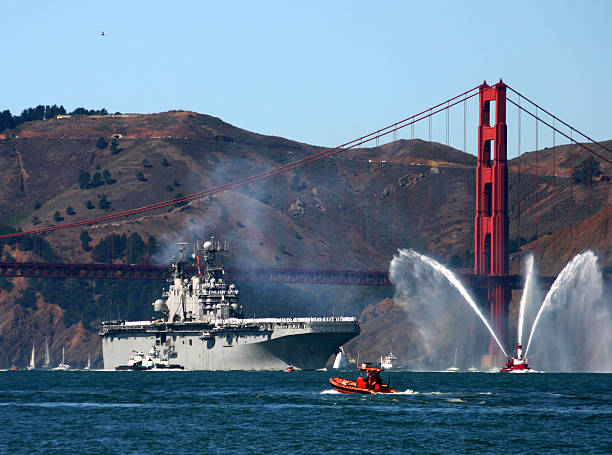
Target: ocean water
98 412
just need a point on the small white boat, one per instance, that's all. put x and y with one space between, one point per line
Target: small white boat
31 366
88 367
139 361
62 366
454 368
388 362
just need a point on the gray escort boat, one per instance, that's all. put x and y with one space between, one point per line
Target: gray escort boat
202 327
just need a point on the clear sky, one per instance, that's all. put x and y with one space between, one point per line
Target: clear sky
321 72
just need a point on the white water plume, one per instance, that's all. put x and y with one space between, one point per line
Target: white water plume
574 323
427 292
529 297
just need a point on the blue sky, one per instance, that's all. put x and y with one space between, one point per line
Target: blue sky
317 72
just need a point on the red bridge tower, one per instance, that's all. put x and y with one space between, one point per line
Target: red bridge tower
491 230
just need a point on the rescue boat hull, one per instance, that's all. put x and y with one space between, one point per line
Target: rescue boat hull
348 386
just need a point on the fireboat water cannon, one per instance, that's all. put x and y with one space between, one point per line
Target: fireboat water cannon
516 364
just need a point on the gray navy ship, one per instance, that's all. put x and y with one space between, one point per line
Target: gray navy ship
202 327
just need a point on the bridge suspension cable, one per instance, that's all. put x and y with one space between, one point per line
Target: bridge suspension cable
447 104
554 128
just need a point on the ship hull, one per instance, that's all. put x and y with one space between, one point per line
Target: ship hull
255 345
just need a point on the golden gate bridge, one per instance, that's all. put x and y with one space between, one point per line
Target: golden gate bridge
491 271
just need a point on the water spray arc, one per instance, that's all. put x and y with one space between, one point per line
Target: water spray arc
581 275
527 291
438 268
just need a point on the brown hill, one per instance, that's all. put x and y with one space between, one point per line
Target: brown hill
352 211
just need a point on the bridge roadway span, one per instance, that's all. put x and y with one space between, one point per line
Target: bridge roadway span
236 274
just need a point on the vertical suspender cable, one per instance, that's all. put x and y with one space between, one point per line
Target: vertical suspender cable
518 185
465 178
430 146
537 169
554 229
571 207
589 182
446 173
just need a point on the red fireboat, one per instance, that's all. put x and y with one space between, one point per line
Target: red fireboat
369 382
516 364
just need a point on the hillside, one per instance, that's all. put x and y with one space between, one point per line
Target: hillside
352 211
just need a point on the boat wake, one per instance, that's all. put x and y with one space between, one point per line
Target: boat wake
405 392
408 392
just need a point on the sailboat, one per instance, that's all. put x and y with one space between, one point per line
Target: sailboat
88 367
46 362
454 368
340 361
31 366
62 366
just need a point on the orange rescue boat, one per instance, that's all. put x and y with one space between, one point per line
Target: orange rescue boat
368 382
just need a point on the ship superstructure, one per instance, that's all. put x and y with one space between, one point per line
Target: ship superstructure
202 327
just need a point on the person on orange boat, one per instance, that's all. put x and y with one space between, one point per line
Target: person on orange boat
361 382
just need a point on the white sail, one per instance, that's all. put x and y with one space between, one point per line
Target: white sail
340 361
88 367
31 366
47 360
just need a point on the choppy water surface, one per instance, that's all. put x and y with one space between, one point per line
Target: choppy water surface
253 413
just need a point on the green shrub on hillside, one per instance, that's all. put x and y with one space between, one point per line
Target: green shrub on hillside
114 147
103 203
585 172
27 299
6 285
85 239
101 144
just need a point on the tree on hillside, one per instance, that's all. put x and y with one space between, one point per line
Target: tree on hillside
54 111
101 144
6 120
136 249
84 178
85 239
585 172
109 248
103 203
96 181
114 147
